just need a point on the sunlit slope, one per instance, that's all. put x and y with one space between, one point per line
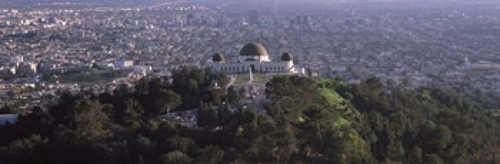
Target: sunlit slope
337 103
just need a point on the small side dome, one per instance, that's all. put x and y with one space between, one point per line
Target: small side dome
218 58
286 57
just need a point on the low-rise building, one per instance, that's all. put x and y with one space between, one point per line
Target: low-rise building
123 63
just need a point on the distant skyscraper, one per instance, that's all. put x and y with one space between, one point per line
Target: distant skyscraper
301 19
305 19
190 19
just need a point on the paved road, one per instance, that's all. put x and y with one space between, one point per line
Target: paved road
232 79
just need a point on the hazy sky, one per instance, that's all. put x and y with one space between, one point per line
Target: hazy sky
282 3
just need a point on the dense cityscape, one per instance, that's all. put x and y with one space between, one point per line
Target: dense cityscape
445 46
118 49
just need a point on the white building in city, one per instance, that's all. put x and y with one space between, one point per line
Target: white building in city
123 63
254 57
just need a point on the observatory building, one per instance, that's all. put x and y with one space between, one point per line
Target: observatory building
253 57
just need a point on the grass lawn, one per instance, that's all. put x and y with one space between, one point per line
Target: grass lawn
259 79
335 99
331 96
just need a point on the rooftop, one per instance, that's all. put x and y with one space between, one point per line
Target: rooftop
253 49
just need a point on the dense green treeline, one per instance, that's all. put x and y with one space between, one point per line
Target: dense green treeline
307 120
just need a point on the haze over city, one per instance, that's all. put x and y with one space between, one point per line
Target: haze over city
404 42
249 81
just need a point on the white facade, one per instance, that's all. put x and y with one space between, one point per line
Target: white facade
255 59
255 66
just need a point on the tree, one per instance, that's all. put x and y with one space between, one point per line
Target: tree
144 147
415 156
222 79
182 144
288 145
7 110
88 122
257 141
171 100
211 154
432 159
374 83
176 157
234 95
290 96
434 138
207 118
396 151
131 116
346 146
307 120
23 150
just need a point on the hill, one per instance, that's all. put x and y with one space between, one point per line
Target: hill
307 120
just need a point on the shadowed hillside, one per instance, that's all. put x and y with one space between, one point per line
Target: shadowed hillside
307 120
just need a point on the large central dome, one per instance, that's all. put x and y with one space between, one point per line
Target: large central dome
253 49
